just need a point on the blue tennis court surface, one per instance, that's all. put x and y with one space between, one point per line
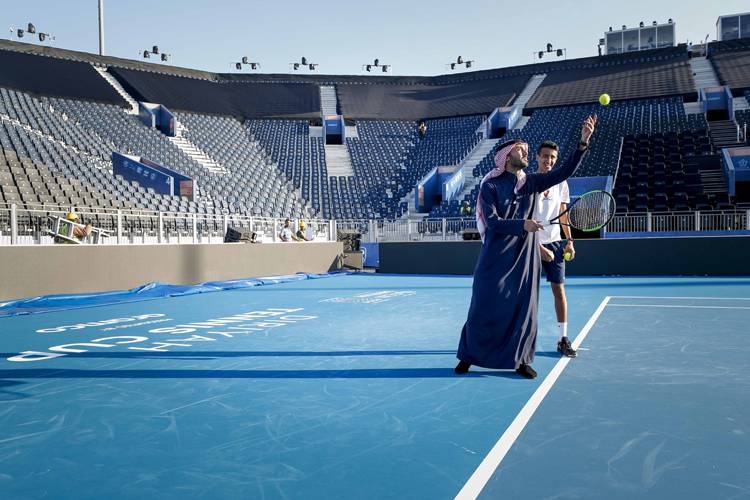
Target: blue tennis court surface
343 387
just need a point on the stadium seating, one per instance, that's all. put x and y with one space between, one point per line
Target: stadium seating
389 169
731 60
664 115
661 172
300 158
58 132
640 75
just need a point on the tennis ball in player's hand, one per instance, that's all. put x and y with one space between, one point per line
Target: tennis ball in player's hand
604 99
567 256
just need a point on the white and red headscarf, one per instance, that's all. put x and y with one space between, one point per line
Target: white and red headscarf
501 158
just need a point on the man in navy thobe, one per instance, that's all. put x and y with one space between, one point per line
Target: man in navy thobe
501 327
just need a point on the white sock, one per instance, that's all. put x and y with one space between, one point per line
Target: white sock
562 328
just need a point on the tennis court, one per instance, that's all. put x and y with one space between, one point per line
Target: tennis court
342 386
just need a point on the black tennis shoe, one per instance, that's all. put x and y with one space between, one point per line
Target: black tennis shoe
462 367
526 371
564 348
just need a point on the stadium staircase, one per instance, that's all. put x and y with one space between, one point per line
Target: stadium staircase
338 160
523 98
119 88
181 142
470 163
194 152
711 174
411 213
528 91
723 134
328 101
703 73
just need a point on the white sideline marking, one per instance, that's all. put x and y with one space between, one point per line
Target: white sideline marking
660 297
672 305
491 462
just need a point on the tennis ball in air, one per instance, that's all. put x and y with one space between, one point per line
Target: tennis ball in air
567 256
604 99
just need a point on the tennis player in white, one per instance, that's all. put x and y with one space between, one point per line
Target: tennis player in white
549 205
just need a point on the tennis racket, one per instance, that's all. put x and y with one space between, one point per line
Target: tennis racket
590 212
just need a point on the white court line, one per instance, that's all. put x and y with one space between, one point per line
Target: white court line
683 307
660 297
491 462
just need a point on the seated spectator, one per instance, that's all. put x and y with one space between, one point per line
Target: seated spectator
301 234
286 234
422 129
466 209
80 231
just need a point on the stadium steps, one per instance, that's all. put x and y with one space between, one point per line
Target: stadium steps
338 160
703 73
528 91
723 134
197 154
411 212
471 161
328 101
710 171
526 94
119 88
713 181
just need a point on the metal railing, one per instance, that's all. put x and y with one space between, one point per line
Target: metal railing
681 222
31 225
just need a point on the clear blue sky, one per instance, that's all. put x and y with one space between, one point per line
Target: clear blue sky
416 37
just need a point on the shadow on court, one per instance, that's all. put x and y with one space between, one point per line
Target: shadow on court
246 354
374 373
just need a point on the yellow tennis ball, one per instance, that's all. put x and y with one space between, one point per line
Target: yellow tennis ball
567 256
604 99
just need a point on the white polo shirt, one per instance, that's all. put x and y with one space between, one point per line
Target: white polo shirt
547 208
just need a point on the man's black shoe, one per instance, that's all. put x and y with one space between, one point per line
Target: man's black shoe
564 348
462 367
526 371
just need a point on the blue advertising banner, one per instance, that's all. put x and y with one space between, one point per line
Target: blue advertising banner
370 254
453 182
184 185
714 98
131 169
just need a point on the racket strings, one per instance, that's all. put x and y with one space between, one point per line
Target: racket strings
592 211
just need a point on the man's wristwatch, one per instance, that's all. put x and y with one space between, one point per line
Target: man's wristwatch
583 144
